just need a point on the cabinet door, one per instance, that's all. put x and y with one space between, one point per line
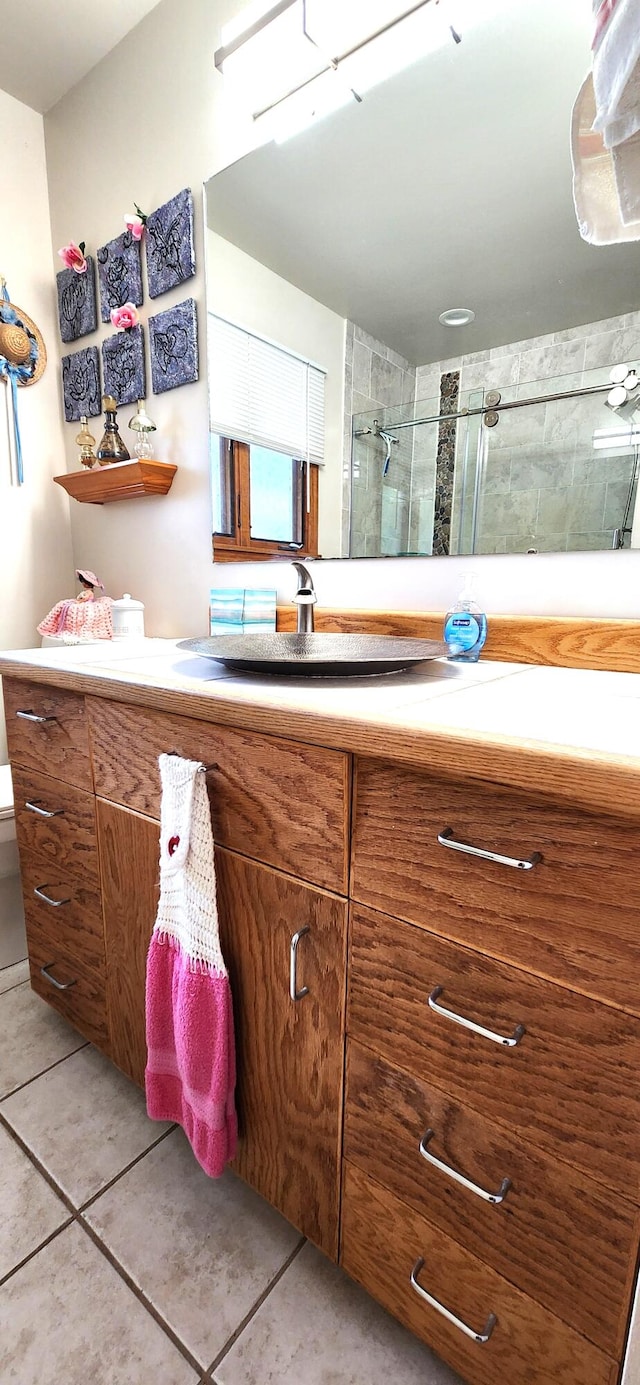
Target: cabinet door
129 867
289 1052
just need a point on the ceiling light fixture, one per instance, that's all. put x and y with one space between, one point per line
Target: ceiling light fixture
457 317
297 60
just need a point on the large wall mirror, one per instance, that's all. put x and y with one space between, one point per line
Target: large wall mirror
346 419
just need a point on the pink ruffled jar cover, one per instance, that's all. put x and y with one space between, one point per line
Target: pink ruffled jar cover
87 620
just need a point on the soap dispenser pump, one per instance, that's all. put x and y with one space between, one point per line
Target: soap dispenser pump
465 625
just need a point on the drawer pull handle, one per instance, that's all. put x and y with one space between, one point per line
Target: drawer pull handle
39 892
293 967
508 1042
446 838
451 1317
494 1198
44 812
59 985
32 716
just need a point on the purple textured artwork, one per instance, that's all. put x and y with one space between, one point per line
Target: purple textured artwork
169 244
119 274
123 366
81 384
77 313
173 343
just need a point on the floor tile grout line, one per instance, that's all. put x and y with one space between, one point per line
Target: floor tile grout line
36 1075
254 1309
139 1294
85 1206
15 1269
38 1165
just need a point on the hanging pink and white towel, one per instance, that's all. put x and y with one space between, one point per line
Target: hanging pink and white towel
190 1075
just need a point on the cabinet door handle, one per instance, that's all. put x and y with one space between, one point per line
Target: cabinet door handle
508 1042
495 1198
59 985
446 838
32 716
39 892
44 812
451 1317
293 968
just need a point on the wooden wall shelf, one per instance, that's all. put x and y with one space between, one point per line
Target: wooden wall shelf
119 481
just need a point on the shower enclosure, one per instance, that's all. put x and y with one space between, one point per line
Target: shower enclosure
542 466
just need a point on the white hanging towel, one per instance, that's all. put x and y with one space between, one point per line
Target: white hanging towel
190 1075
605 136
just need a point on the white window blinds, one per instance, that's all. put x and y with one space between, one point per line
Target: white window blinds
262 394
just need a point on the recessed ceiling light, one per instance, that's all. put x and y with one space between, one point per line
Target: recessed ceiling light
456 317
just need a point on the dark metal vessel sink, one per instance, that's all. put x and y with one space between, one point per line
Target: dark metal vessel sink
316 655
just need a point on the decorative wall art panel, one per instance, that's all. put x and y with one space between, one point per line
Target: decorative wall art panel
77 312
123 366
81 384
169 240
119 274
173 342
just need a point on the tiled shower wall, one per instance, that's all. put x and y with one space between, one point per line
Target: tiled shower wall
378 377
375 378
595 345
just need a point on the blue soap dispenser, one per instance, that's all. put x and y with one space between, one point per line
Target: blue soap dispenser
466 624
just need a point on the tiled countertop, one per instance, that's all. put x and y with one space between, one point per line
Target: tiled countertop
570 732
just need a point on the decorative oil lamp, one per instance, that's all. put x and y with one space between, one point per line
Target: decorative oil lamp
143 427
112 448
86 443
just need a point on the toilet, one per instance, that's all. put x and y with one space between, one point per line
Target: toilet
9 864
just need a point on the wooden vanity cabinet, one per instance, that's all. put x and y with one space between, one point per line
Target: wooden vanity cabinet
493 1046
273 800
48 744
483 1157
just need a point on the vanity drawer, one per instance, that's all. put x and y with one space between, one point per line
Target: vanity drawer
283 803
59 744
62 911
79 994
67 838
557 1235
570 1084
561 918
384 1242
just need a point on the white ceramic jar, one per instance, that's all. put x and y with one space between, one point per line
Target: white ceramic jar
128 618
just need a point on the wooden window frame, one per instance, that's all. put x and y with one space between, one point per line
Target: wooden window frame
237 546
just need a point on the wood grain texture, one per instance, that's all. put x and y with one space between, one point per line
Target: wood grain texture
122 482
570 1086
129 864
67 841
289 1054
76 924
60 747
564 919
558 1236
84 1004
591 779
382 1239
286 805
561 641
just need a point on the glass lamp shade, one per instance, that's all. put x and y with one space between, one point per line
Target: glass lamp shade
142 426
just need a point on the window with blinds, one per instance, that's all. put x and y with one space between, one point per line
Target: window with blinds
262 394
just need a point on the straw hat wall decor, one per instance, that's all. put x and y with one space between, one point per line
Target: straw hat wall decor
23 358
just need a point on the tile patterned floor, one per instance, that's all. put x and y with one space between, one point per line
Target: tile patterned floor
122 1263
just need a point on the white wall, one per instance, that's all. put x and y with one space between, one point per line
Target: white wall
246 292
36 565
147 121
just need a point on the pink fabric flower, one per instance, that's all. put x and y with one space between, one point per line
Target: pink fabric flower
124 317
73 257
135 225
